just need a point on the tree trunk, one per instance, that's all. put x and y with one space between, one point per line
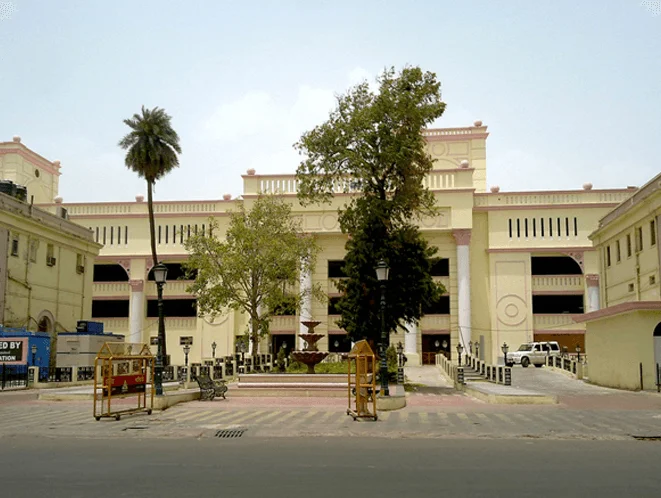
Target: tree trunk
152 233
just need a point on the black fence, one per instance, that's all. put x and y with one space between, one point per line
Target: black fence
85 373
55 374
168 373
13 376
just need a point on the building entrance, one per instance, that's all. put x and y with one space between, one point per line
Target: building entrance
432 344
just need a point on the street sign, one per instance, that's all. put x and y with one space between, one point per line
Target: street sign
13 352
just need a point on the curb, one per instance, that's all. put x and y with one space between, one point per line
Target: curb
512 399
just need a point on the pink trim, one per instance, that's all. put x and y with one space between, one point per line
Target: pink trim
342 194
618 309
559 332
532 207
462 236
337 332
435 331
592 280
282 332
561 250
557 293
456 138
545 192
217 214
174 296
137 285
119 297
32 157
129 203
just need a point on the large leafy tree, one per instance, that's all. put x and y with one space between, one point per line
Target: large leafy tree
152 146
255 267
372 146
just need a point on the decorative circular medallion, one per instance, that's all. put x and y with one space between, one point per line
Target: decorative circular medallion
438 149
511 310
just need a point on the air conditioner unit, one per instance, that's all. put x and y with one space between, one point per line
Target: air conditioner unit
80 269
50 261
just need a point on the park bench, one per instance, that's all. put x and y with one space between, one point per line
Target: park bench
209 388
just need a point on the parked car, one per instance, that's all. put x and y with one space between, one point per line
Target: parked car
534 353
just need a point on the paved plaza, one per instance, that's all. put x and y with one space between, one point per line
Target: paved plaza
434 411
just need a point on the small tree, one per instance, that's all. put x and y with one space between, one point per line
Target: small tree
256 267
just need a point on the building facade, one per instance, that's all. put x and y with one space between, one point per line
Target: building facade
624 337
517 266
46 261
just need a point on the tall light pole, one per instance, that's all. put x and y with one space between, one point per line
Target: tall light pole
382 272
213 349
186 351
505 348
160 275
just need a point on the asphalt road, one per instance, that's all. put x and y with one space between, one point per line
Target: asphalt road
327 467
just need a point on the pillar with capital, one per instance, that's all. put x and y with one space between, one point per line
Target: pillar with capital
305 286
462 238
592 281
137 310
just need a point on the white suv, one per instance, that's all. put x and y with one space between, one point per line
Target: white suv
534 353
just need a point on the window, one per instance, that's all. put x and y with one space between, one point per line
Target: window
50 255
126 235
618 251
14 245
653 233
335 269
332 305
80 264
628 245
97 234
440 267
104 236
510 224
174 308
630 287
34 249
575 227
639 239
159 234
110 308
440 307
608 256
112 235
119 235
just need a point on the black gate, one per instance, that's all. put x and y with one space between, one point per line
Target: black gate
13 376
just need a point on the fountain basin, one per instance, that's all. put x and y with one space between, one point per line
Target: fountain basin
309 358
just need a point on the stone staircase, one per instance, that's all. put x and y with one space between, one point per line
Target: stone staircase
472 375
291 385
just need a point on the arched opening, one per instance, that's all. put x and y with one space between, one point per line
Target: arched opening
657 345
44 324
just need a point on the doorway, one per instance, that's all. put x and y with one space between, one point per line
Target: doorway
657 344
432 344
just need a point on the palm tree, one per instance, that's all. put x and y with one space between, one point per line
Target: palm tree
152 147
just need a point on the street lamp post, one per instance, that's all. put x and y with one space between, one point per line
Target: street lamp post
460 349
400 363
186 351
382 271
505 348
477 350
33 349
160 274
213 349
578 353
470 347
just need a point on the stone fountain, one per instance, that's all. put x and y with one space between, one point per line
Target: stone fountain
310 356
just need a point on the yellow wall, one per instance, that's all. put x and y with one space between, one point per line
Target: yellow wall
617 345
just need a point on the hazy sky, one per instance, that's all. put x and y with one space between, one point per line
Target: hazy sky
570 90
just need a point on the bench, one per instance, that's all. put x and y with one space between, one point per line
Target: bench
209 388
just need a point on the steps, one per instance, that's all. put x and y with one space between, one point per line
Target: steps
472 375
292 385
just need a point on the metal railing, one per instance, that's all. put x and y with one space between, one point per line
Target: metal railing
13 376
84 373
55 374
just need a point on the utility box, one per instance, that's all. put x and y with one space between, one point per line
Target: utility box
76 349
89 327
39 341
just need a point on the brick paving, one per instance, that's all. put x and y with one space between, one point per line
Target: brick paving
432 412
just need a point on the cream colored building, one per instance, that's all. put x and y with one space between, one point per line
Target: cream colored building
46 261
517 265
624 337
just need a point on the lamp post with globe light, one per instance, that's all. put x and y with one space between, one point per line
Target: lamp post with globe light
382 272
160 272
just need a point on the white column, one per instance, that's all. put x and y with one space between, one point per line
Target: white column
305 285
462 237
137 311
593 292
411 345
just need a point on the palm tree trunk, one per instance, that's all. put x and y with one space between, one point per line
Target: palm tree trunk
152 233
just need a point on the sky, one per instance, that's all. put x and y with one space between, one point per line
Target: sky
570 91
